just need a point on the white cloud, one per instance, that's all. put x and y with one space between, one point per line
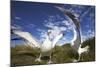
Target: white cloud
55 31
63 41
84 14
31 25
84 37
17 18
56 27
88 34
63 28
91 33
65 22
49 25
15 26
42 34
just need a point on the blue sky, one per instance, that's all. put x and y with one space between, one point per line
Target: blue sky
38 18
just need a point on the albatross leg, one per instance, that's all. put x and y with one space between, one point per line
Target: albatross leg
38 59
79 57
76 60
50 61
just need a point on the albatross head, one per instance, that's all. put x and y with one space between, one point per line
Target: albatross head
49 32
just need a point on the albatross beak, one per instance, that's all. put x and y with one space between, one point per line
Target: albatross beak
61 9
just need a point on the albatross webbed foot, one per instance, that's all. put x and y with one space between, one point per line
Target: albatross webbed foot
49 62
38 59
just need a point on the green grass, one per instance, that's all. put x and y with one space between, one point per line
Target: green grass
22 55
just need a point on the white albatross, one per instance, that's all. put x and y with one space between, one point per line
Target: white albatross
76 41
45 48
76 45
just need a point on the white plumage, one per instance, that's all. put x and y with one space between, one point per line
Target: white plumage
56 39
76 41
28 37
46 47
81 50
76 44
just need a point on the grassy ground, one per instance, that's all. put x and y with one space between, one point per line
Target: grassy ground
22 55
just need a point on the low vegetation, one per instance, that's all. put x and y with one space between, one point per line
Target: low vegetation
22 55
